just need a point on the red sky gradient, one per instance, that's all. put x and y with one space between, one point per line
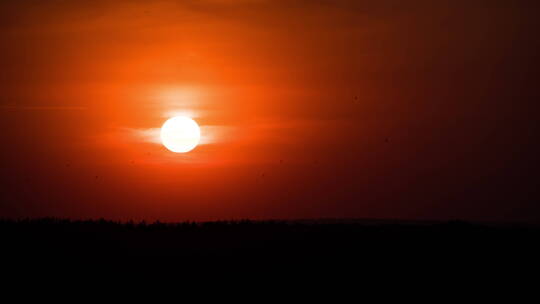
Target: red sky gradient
309 109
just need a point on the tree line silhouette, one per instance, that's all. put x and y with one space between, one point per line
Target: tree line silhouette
245 241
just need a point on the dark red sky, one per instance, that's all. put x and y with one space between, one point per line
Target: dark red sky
387 109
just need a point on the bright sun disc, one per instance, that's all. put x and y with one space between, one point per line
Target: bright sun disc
180 134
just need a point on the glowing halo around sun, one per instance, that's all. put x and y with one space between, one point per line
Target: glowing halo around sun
180 134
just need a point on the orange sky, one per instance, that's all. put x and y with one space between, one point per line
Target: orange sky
416 109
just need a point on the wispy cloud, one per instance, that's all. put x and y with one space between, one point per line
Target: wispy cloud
150 135
209 134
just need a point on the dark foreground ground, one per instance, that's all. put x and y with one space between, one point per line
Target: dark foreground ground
258 245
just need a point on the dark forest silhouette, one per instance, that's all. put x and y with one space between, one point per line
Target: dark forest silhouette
268 242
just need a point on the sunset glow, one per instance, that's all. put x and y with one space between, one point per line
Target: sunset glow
214 109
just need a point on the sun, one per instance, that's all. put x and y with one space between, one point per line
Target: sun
180 134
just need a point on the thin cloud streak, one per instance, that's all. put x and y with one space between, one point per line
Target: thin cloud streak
209 134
